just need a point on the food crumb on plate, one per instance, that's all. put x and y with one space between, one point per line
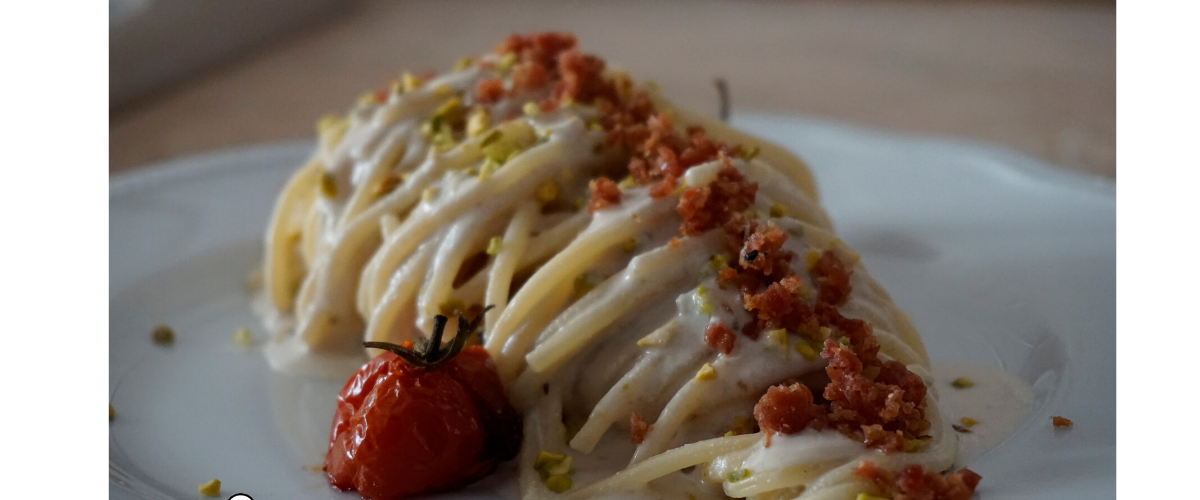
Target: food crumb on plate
163 335
243 337
211 488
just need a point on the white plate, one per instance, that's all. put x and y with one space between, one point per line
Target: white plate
1000 259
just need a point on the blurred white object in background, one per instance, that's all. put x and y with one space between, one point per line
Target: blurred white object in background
153 43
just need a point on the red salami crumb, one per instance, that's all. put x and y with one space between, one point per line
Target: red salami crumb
604 193
638 428
719 336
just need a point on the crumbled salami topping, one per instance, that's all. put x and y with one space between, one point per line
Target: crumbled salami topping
884 410
913 483
719 336
638 428
833 281
711 206
879 403
604 193
788 410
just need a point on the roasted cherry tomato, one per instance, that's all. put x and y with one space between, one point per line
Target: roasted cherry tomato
412 422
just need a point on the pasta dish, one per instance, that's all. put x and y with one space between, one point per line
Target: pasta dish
662 298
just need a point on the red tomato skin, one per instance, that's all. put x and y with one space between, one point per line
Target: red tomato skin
400 431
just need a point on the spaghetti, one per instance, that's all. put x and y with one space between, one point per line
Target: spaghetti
642 260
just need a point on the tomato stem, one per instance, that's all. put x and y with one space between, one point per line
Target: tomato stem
430 353
435 340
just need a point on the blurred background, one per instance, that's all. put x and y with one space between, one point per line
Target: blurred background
189 76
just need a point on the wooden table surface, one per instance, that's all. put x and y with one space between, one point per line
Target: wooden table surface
1037 77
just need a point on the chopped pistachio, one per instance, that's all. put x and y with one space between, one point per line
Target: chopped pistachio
864 496
630 244
430 127
367 97
811 258
329 187
490 137
506 62
915 445
163 335
429 194
738 475
595 125
462 64
409 81
545 459
502 150
779 336
718 262
531 109
843 341
583 285
210 489
679 189
963 383
547 192
548 463
444 140
627 182
488 168
326 122
450 112
803 291
494 245
968 421
243 337
558 483
706 306
825 332
749 153
479 122
807 351
778 210
443 89
706 373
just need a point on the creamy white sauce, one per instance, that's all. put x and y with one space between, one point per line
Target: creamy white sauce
1000 401
804 447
